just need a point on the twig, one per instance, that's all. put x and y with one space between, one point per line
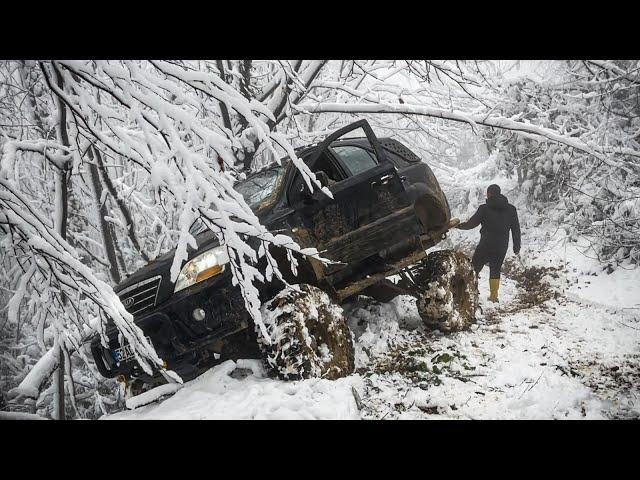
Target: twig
531 387
356 396
629 326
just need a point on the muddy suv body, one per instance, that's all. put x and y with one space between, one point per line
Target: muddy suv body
387 209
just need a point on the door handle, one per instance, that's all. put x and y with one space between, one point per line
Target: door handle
382 181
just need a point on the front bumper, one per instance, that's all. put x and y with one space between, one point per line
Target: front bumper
179 339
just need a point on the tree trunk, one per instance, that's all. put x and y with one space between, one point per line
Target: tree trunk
58 403
31 97
106 230
126 213
62 205
223 107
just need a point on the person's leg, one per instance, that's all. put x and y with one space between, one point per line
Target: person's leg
495 266
479 259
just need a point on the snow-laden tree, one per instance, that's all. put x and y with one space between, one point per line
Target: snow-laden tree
573 139
165 125
106 164
594 195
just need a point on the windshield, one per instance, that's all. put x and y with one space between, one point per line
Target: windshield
255 190
259 187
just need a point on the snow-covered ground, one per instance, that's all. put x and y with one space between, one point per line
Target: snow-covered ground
574 355
563 343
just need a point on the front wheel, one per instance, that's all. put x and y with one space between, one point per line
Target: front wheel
309 335
448 297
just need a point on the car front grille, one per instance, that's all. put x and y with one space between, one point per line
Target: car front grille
142 296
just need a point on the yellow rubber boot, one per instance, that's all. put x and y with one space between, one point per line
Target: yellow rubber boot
494 286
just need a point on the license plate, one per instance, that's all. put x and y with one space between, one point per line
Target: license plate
124 353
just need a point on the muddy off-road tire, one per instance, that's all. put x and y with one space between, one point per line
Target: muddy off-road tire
448 299
309 335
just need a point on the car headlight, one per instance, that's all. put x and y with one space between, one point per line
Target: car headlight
205 265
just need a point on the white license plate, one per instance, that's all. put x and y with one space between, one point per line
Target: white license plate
124 353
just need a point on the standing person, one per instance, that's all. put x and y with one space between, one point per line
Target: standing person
497 216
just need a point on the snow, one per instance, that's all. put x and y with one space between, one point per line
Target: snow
218 395
572 357
519 368
20 416
152 395
589 283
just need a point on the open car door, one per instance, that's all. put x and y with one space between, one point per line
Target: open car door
373 140
370 210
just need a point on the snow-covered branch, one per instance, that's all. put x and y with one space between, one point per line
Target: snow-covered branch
150 114
602 152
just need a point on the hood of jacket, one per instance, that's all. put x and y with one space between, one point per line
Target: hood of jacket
497 202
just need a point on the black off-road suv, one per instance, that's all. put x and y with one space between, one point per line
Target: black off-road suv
387 210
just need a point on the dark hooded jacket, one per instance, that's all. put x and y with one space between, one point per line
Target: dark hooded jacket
497 217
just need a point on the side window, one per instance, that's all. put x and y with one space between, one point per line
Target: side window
323 164
356 159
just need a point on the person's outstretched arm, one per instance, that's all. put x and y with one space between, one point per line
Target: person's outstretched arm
474 221
515 231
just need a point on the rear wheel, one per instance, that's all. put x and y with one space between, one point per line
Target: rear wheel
448 296
309 335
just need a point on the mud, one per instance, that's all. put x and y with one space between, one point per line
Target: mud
420 363
534 290
330 223
617 383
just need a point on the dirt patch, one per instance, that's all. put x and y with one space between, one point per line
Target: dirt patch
618 382
410 362
415 359
534 289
